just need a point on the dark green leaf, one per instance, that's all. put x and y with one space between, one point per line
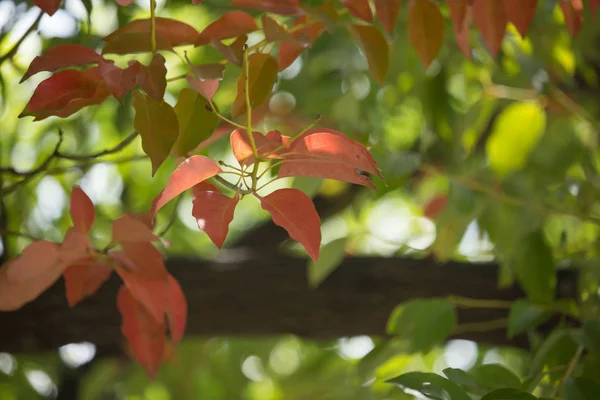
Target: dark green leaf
508 394
431 385
524 316
495 376
460 377
591 335
534 266
581 389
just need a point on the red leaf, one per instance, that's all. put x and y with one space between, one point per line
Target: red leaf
203 186
231 24
135 36
435 206
459 12
189 173
83 280
491 19
206 88
66 92
360 9
520 13
61 56
130 228
425 29
145 334
124 3
120 81
294 211
325 153
177 313
242 150
214 212
37 258
288 52
76 247
387 13
49 6
375 48
594 6
275 32
145 259
573 12
153 78
282 7
234 53
82 210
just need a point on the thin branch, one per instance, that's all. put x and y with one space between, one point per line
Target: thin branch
482 326
73 168
570 367
466 302
10 53
102 153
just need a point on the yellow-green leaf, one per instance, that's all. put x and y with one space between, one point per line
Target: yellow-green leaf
262 72
376 50
157 124
425 29
516 132
196 122
332 254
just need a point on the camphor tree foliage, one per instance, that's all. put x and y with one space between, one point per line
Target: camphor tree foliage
521 161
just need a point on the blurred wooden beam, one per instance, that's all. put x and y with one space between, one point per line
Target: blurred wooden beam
267 294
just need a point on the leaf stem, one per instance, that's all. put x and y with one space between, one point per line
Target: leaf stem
224 118
153 26
466 302
230 185
485 326
296 136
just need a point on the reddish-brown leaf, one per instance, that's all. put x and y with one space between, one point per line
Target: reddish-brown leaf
288 52
274 32
435 206
130 228
459 13
146 259
325 153
520 13
189 173
282 7
231 24
214 212
177 313
573 12
206 88
82 210
135 36
234 53
490 17
64 93
594 6
61 56
83 280
49 6
145 334
242 150
359 8
120 81
425 29
376 50
387 13
203 186
153 78
262 73
294 211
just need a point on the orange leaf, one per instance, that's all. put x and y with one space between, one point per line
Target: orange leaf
145 334
214 212
288 52
274 32
359 8
459 13
157 123
325 153
35 259
48 6
425 29
177 313
231 24
242 150
520 13
82 210
262 73
153 78
435 206
145 260
83 280
61 56
283 7
294 211
129 228
387 13
120 81
135 36
189 173
376 50
573 12
491 19
64 93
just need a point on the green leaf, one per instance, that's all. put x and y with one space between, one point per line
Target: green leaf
262 72
581 389
495 376
307 184
524 316
424 323
556 350
196 122
508 394
431 385
516 132
331 256
591 335
460 377
157 124
534 266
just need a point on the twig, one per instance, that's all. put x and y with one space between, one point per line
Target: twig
570 367
10 53
172 218
153 26
467 302
72 168
105 152
482 326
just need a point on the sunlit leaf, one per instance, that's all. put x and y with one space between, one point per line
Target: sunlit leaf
158 126
265 144
294 211
387 13
376 50
214 212
231 24
332 255
82 210
83 280
61 56
262 72
153 78
426 29
490 17
431 385
275 32
196 121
